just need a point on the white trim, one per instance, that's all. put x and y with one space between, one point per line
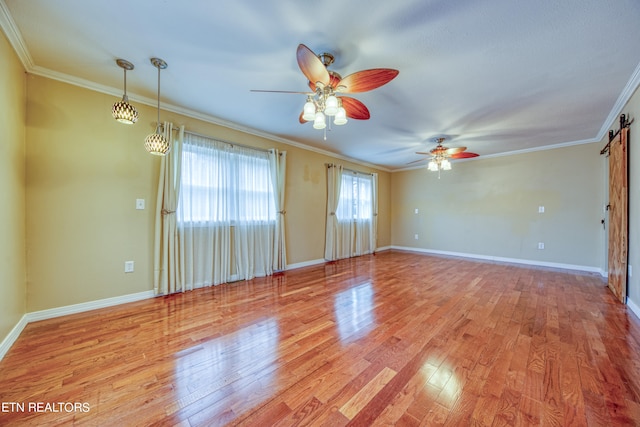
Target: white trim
10 29
541 148
622 100
322 260
633 307
87 306
504 259
514 152
305 264
35 316
12 337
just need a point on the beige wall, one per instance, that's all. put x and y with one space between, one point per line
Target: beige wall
489 207
12 189
84 172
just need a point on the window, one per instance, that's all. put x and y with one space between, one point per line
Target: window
224 184
356 197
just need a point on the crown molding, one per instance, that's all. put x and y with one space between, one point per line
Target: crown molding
10 29
623 99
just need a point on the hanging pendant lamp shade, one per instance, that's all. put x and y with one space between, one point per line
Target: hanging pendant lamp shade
156 143
122 111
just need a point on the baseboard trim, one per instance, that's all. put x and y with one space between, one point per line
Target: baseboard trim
635 309
51 313
305 264
536 263
12 337
87 306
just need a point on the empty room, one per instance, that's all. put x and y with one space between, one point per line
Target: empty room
364 213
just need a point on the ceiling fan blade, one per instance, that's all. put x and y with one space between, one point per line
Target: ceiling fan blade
455 150
300 119
311 66
423 153
417 161
366 80
463 155
281 91
354 108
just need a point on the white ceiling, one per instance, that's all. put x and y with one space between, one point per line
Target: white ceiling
497 76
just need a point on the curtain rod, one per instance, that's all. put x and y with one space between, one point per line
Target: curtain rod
218 139
349 170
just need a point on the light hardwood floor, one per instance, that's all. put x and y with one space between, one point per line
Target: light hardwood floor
396 338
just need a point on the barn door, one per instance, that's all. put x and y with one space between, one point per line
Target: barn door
618 212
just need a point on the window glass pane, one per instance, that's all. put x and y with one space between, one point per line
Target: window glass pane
220 183
356 200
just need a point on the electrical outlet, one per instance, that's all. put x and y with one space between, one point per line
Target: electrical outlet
540 209
415 211
140 204
540 245
415 236
128 266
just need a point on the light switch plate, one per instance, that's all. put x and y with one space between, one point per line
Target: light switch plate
128 266
140 204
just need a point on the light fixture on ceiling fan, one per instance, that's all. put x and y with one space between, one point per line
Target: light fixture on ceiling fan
325 84
439 160
156 143
324 102
440 156
122 111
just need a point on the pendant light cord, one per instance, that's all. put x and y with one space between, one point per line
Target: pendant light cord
158 120
125 82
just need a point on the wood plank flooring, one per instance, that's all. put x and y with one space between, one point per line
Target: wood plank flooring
398 338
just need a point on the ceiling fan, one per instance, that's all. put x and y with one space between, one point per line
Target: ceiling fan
325 84
440 156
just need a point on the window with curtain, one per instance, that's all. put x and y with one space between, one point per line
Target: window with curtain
356 197
225 184
226 214
354 233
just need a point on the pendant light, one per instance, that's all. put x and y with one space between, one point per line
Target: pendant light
122 111
156 143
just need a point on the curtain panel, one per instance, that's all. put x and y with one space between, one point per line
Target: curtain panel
278 163
332 247
167 271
